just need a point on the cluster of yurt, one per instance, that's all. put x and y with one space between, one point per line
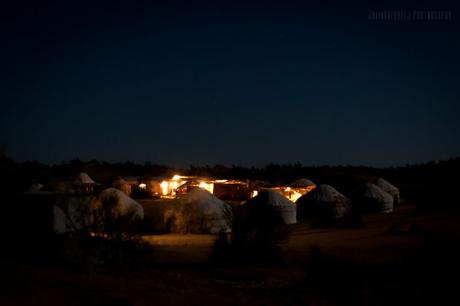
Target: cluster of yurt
199 211
325 202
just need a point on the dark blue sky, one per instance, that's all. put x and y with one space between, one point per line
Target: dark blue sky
228 83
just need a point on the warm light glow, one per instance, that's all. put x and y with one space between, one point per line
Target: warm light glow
164 187
254 193
287 189
142 186
209 187
176 177
294 196
221 181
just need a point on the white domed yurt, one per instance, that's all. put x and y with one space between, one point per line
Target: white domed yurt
271 201
323 202
302 183
84 183
373 199
201 212
389 188
120 203
84 178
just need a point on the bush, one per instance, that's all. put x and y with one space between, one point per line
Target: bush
106 220
254 241
100 255
109 242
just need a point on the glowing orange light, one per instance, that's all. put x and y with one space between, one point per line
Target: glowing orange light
209 187
164 187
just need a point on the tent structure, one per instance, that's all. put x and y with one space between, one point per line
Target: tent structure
123 203
71 214
84 178
201 212
302 183
373 199
36 187
273 203
84 183
323 202
389 188
76 212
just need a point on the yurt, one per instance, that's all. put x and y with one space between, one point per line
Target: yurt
302 183
373 199
270 203
389 188
84 183
84 178
71 214
324 202
200 211
123 203
36 187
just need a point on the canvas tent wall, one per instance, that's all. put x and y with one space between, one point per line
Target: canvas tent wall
84 183
270 202
323 202
123 203
201 212
79 212
71 213
389 188
372 198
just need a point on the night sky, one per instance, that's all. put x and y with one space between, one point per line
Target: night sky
229 83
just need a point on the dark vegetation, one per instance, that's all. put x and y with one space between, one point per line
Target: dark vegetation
106 241
254 240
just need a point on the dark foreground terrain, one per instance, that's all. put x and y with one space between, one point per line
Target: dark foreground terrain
406 258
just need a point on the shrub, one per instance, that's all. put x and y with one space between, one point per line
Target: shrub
254 241
109 221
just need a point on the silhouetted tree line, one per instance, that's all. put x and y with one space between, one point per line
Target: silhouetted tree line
428 184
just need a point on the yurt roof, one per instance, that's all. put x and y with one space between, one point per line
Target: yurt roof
323 193
84 178
386 186
216 214
270 198
204 197
123 199
302 182
375 192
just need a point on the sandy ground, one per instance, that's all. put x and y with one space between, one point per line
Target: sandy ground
183 278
